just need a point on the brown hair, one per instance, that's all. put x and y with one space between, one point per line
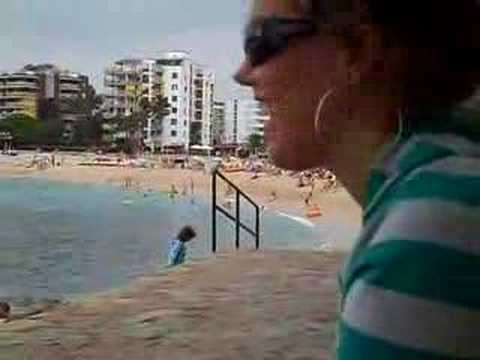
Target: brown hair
186 234
441 39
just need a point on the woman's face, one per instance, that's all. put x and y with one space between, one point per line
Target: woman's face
291 84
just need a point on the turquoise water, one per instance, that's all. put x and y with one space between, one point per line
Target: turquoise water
59 239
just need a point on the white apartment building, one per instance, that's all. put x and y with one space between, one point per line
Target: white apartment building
244 117
203 102
187 86
218 122
177 68
126 82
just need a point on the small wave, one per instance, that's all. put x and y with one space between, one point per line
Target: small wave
298 219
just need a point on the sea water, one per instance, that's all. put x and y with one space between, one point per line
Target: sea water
60 239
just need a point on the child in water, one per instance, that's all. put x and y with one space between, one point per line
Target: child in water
178 249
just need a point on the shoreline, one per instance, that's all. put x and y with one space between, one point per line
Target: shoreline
335 205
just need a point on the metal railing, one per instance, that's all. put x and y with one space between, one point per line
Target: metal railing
235 218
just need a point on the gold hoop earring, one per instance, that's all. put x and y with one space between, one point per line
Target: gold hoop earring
318 113
401 125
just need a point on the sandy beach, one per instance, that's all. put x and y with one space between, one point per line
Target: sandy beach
335 204
256 305
248 305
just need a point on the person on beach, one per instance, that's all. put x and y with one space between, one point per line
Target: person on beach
184 189
192 191
177 247
4 310
309 196
380 92
172 194
273 196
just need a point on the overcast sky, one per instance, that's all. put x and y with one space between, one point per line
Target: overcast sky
87 35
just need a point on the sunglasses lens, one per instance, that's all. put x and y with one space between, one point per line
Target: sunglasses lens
255 50
260 49
271 38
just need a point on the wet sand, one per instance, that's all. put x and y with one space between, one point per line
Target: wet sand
256 305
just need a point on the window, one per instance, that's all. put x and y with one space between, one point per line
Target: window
173 122
173 133
174 110
198 115
174 98
174 87
199 104
145 79
170 62
199 94
184 122
174 75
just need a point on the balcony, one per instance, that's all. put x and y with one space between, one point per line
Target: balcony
69 95
73 82
115 82
19 77
18 95
70 87
13 107
19 84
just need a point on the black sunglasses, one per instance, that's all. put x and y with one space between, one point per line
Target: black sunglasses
270 36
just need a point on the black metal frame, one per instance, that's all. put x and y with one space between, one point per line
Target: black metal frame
238 224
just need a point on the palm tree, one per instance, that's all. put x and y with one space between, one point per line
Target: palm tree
255 142
155 110
145 112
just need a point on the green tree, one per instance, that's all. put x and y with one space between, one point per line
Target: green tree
255 143
143 110
87 130
50 132
51 126
24 129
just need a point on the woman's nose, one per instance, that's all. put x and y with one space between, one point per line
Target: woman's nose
243 76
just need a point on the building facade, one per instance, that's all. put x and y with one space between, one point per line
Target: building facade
218 123
41 91
244 117
177 69
203 102
188 88
20 93
70 86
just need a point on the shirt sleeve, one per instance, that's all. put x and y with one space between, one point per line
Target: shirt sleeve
413 292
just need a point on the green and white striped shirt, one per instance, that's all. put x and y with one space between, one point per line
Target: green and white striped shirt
411 288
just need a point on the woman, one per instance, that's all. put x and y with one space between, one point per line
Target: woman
375 89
